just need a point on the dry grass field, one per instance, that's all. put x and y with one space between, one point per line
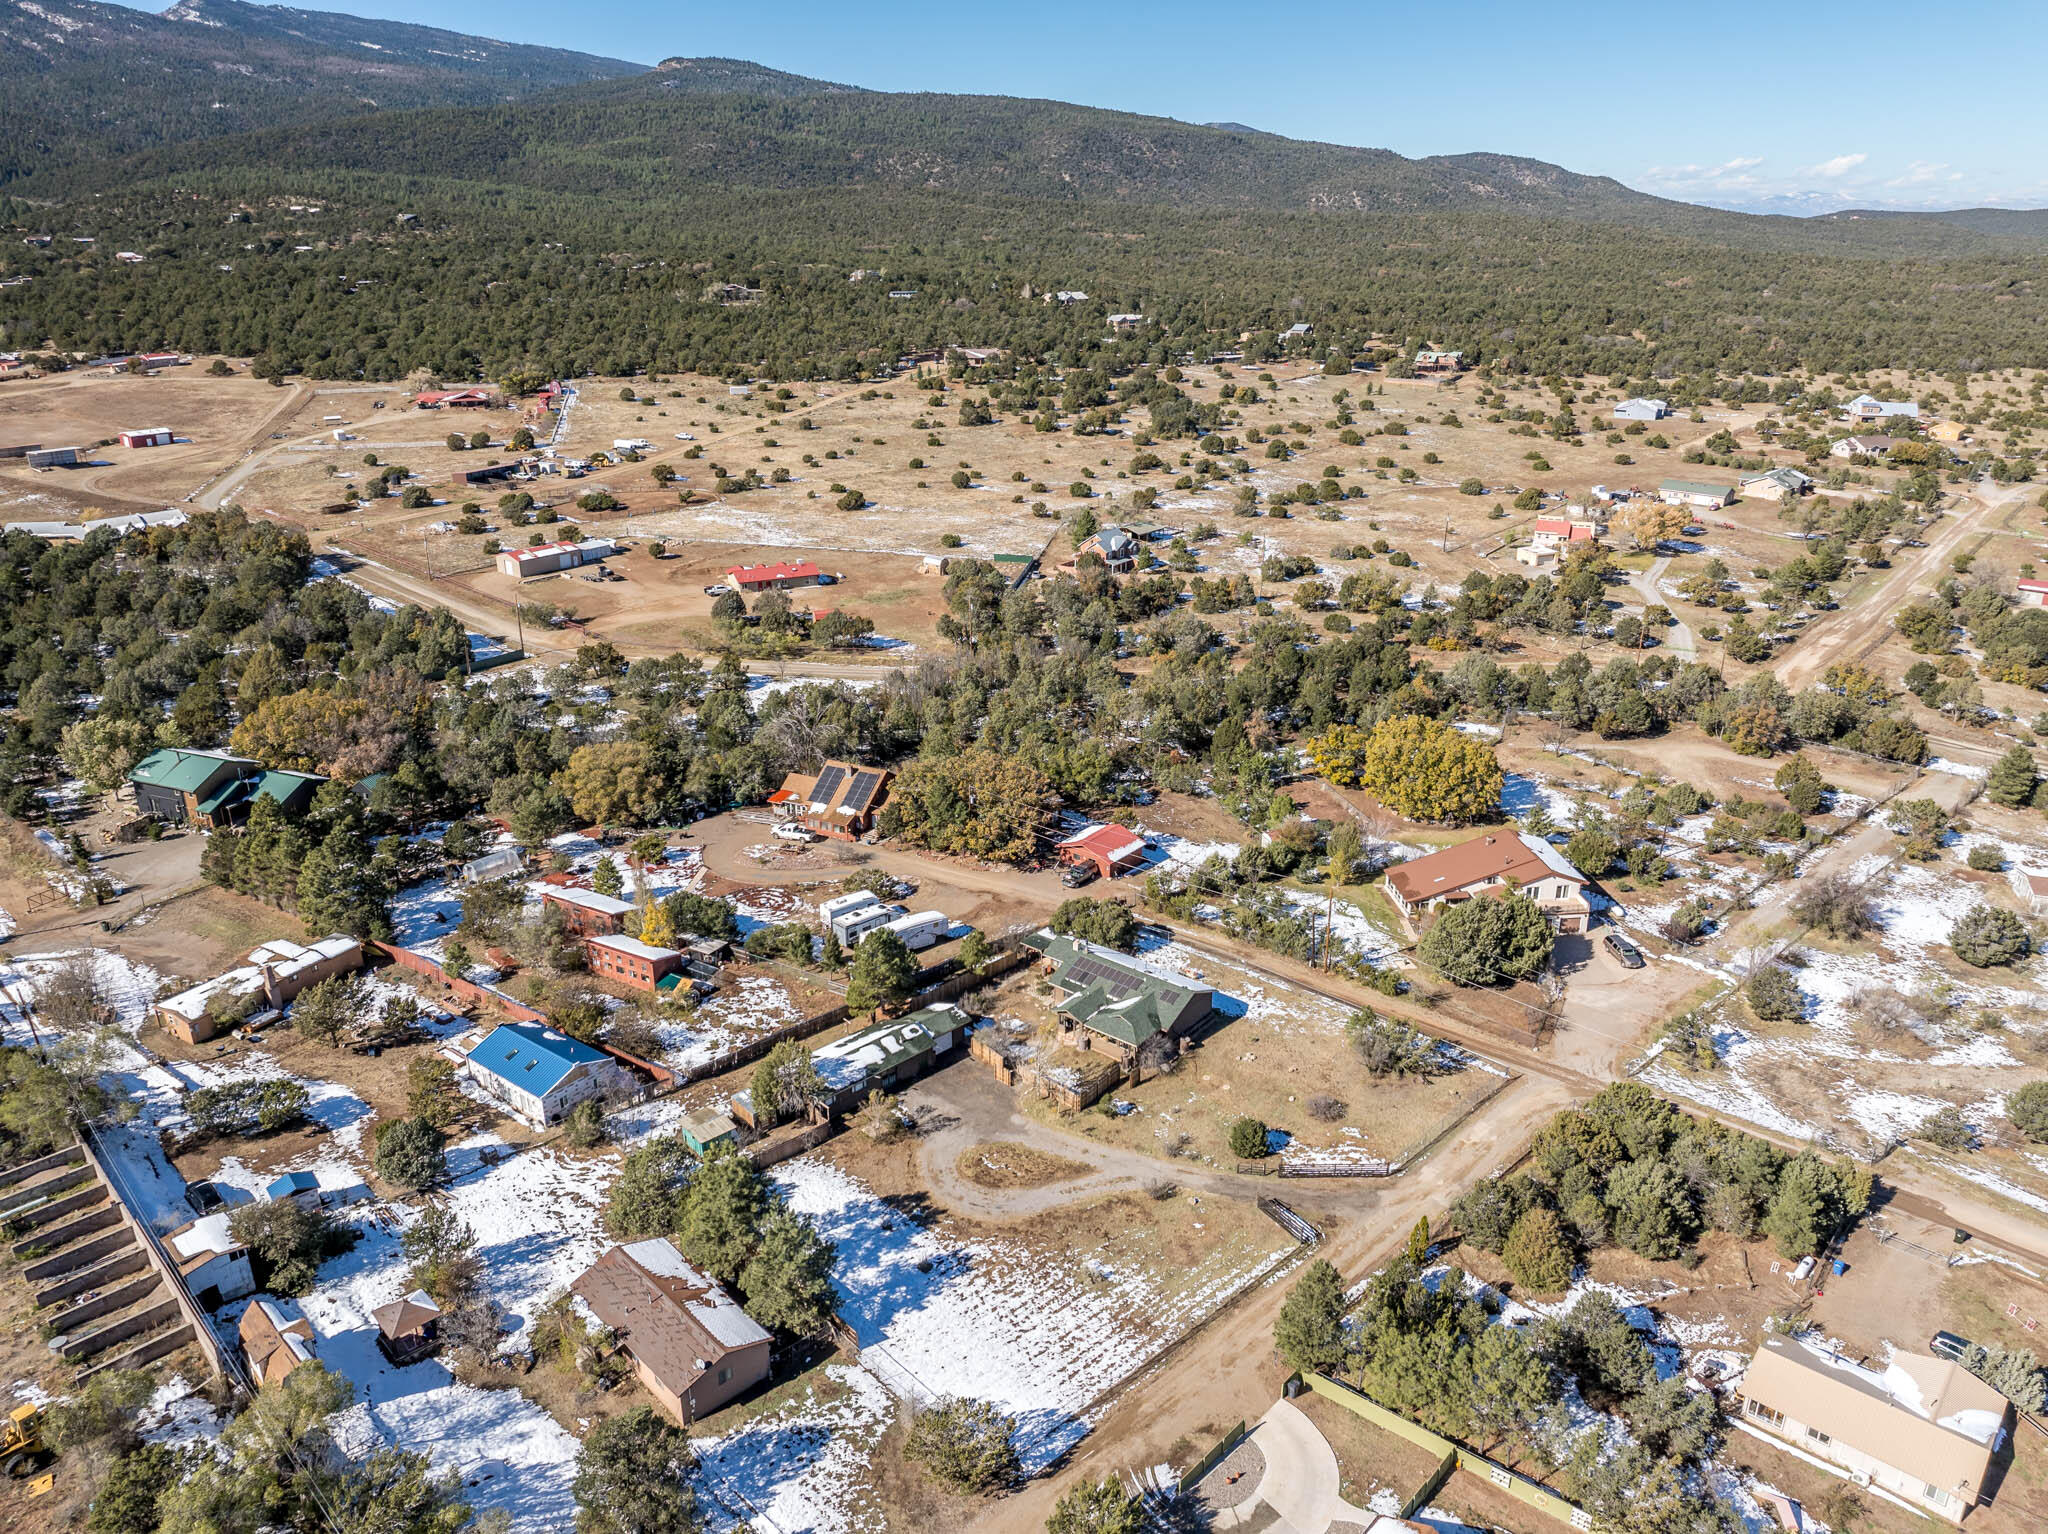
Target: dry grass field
273 449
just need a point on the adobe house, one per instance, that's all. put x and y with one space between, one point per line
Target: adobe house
586 913
630 962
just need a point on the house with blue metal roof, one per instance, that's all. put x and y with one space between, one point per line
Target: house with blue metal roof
537 1074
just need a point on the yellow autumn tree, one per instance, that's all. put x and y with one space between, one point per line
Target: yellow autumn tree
1339 753
657 922
1430 772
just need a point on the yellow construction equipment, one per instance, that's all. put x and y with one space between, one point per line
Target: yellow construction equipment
22 1451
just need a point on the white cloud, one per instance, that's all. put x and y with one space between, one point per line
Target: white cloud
1920 172
1751 184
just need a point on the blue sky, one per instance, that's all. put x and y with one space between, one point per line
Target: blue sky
1791 106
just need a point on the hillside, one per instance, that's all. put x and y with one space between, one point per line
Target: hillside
741 124
86 80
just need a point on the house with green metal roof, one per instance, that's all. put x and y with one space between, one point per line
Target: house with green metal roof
1115 1004
180 785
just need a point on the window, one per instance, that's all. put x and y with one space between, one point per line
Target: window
724 1375
1768 1414
1936 1495
1818 1436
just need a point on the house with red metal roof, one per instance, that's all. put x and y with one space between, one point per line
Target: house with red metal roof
781 574
1110 849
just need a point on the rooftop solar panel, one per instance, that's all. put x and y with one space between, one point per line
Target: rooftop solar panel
829 779
862 793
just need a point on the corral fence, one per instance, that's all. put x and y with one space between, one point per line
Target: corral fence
1297 1227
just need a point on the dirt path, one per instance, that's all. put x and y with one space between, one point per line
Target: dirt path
1644 584
961 1108
1849 634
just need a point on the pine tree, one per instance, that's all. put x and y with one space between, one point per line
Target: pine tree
788 1280
2012 779
1310 1330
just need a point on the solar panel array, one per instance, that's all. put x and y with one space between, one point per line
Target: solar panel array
829 779
866 784
1086 970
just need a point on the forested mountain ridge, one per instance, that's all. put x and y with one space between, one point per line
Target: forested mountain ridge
706 121
593 226
82 79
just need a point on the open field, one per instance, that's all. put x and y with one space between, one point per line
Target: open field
215 419
1038 1316
867 438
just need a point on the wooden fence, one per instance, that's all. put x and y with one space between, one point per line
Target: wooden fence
1520 1487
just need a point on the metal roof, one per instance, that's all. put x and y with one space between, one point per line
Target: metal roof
531 1056
184 771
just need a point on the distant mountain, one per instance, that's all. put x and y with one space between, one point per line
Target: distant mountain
85 80
735 77
748 126
1229 127
2021 223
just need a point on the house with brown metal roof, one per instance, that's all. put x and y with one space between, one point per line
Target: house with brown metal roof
692 1345
1497 863
840 800
1923 1430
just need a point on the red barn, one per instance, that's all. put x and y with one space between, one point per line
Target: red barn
457 399
148 436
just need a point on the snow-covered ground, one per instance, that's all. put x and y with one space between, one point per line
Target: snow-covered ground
992 1319
535 1217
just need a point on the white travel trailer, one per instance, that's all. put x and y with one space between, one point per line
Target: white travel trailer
921 929
851 926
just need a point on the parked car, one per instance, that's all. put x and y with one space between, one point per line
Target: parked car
716 591
1074 875
1631 957
1948 1345
790 831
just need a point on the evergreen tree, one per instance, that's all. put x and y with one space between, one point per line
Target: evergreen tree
722 1214
1309 1332
633 1476
2012 779
883 972
788 1280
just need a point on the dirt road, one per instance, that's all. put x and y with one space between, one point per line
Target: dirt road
1643 583
1849 634
1228 1371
